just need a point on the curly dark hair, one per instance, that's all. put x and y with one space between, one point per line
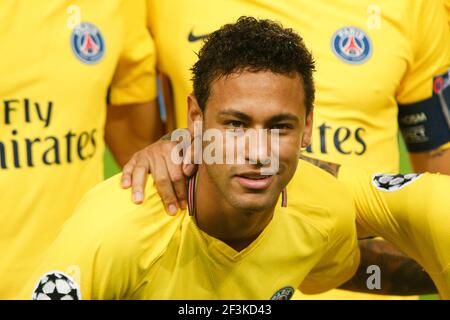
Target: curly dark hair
252 45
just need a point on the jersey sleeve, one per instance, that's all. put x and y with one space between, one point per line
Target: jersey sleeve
411 211
429 36
372 211
96 260
107 245
423 95
134 79
341 258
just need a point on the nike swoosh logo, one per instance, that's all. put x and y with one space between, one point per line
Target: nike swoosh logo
193 38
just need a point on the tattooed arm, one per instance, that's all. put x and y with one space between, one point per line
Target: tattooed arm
330 167
434 161
399 274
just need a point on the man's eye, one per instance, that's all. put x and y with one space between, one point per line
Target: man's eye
281 126
235 124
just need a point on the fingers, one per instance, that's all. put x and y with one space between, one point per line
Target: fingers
179 182
135 174
169 177
127 172
162 180
139 180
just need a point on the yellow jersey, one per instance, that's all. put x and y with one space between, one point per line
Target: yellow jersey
370 55
447 7
113 249
58 61
411 211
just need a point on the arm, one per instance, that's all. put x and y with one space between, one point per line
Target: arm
133 119
129 128
434 161
330 167
399 274
424 93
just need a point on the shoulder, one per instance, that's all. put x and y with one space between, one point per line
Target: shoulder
321 198
133 12
425 11
318 186
109 201
107 214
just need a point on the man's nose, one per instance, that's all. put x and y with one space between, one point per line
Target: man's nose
258 147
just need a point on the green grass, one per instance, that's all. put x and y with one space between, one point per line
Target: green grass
405 165
110 165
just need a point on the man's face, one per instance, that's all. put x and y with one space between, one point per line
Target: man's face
255 100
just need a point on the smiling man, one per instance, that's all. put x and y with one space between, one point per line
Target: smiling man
250 75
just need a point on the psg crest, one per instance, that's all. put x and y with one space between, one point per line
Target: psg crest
56 285
393 182
285 293
87 43
351 45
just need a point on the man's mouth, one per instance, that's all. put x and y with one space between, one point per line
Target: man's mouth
254 181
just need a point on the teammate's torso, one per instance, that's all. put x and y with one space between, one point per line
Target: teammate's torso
362 50
57 61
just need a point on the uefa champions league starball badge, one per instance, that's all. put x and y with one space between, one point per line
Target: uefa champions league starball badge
56 285
285 293
393 182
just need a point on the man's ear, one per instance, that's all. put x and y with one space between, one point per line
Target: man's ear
195 114
307 133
